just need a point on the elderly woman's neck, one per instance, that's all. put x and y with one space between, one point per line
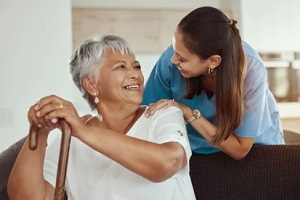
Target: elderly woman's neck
120 119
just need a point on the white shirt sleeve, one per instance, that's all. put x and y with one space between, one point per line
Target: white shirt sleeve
169 126
51 158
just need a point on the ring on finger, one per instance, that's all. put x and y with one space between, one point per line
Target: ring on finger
61 106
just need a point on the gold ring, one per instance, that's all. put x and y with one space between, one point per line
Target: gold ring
61 106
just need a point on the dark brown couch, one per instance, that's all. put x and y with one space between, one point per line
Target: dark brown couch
269 172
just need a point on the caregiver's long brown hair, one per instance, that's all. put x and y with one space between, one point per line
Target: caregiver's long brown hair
63 155
206 32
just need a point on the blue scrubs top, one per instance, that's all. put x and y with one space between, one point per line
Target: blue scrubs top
261 120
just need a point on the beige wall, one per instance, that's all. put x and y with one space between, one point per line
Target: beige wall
149 31
292 124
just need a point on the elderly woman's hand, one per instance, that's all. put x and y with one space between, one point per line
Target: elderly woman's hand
39 121
47 111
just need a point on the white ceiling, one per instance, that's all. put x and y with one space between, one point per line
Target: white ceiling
150 4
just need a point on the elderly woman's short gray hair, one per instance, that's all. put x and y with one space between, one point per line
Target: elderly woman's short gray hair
86 59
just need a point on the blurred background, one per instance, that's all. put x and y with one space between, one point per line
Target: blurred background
37 38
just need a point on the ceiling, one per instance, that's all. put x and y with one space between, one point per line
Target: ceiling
153 4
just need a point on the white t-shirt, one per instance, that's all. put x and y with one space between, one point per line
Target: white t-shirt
91 175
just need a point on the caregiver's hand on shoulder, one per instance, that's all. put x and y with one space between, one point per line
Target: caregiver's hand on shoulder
161 105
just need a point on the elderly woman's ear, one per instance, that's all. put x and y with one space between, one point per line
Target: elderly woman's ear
90 85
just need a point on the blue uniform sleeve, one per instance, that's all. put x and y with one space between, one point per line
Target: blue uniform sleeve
158 85
257 117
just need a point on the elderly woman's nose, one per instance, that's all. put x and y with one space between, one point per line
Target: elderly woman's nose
132 73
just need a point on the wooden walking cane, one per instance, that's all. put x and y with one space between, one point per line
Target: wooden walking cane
63 155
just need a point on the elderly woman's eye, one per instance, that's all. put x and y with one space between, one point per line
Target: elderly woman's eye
138 67
121 67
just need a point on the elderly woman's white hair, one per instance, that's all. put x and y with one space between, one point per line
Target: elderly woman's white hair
86 59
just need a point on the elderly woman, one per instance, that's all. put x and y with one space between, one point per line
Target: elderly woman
118 154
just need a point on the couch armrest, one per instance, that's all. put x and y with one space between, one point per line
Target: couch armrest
267 172
7 160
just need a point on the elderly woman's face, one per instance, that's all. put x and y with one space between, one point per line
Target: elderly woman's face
120 79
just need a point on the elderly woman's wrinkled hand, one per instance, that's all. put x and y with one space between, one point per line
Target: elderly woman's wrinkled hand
47 111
